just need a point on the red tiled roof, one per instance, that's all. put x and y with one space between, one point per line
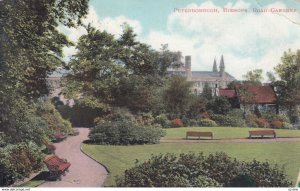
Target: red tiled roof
257 94
227 93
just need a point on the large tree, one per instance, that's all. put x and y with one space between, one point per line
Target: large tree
122 72
178 95
289 87
30 44
30 49
254 76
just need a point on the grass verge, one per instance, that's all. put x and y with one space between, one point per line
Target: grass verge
225 132
119 158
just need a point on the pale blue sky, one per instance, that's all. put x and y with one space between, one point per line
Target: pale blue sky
247 40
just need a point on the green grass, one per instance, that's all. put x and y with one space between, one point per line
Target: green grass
225 132
32 183
119 158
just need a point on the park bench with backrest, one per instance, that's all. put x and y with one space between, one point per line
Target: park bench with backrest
50 147
56 166
198 134
262 133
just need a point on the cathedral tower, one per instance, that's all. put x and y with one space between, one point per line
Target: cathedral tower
222 66
215 69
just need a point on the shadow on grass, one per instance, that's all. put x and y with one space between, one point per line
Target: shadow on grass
37 180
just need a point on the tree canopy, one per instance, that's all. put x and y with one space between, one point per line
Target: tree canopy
113 71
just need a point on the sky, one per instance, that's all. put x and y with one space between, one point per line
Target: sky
247 40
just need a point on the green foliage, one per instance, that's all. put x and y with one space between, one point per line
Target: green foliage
266 175
254 77
30 44
289 86
242 180
124 130
79 116
118 72
191 170
219 105
47 111
163 120
177 95
125 133
166 171
207 92
206 123
197 106
19 122
228 121
17 161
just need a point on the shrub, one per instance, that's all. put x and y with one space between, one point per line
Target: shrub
266 175
242 180
205 115
18 161
191 170
226 120
124 132
163 120
276 124
219 105
47 111
207 123
166 171
251 120
286 125
177 122
262 122
273 116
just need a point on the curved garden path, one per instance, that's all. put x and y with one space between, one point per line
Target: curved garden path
84 171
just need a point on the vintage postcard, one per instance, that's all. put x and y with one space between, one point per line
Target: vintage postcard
142 93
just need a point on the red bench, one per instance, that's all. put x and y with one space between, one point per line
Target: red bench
56 166
262 133
50 147
198 134
60 136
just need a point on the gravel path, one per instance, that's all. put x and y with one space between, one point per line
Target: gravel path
84 171
264 140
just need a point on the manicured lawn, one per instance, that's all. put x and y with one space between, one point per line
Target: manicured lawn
119 158
225 132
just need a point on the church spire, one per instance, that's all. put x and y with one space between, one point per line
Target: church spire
222 66
215 69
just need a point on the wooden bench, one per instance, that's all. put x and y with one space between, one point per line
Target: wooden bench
60 136
198 134
56 166
262 133
50 147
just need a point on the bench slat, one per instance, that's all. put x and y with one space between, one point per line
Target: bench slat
262 133
198 134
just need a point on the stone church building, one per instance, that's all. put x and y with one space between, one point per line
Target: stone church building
215 79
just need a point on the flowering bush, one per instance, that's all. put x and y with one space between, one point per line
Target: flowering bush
262 122
177 122
276 124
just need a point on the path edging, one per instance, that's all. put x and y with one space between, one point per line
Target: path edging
107 170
